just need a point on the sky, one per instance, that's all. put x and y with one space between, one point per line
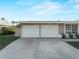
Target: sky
39 10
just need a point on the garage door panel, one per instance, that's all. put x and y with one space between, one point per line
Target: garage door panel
49 30
30 31
42 31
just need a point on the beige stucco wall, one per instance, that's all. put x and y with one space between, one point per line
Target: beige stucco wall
61 28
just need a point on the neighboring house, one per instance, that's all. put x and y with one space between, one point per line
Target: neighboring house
5 23
47 28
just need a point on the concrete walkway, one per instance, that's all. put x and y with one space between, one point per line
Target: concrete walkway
39 49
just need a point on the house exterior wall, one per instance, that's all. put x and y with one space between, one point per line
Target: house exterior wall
61 28
18 32
28 28
78 28
43 30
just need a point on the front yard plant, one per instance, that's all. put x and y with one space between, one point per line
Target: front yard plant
63 36
77 35
5 40
71 36
7 31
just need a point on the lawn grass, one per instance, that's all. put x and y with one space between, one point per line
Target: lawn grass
5 40
74 44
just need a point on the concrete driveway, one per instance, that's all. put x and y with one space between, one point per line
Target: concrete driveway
39 49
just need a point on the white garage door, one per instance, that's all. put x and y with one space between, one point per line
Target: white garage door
49 30
30 31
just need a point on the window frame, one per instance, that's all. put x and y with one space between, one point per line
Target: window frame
71 28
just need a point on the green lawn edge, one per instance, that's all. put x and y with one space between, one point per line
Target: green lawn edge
5 40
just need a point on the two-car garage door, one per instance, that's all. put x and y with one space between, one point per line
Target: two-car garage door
39 31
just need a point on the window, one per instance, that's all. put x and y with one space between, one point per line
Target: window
71 28
68 28
74 28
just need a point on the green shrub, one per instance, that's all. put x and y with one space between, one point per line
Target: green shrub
63 35
7 31
77 35
71 36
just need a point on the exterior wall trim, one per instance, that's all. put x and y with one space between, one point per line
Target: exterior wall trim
39 30
78 28
64 29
